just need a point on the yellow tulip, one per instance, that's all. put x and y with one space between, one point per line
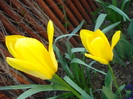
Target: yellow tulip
98 46
30 55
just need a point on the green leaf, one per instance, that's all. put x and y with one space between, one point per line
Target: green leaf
99 21
60 58
121 88
67 56
77 88
96 11
73 50
108 93
128 93
74 67
117 59
124 3
76 29
91 93
125 17
42 88
110 27
68 46
114 2
65 35
18 87
57 80
76 60
62 62
124 48
102 3
130 31
62 96
76 72
108 80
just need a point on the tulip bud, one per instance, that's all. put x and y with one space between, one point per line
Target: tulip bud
98 46
30 55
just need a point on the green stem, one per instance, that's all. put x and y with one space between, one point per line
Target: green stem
114 79
57 80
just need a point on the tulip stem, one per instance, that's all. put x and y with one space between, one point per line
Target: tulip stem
57 80
114 79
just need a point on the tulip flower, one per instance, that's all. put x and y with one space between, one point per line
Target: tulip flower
30 55
98 46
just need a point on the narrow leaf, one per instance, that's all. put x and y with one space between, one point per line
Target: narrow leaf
76 60
99 21
62 62
62 96
19 87
118 60
124 48
114 2
120 12
110 27
76 29
108 93
130 31
76 87
124 3
73 50
65 35
108 80
42 88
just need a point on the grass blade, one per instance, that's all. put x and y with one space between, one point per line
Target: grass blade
125 17
99 21
76 60
76 87
110 27
42 88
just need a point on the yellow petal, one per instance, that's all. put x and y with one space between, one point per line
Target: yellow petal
101 60
33 51
50 30
10 42
107 48
86 36
99 33
99 49
86 33
29 68
97 45
107 54
115 39
30 49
